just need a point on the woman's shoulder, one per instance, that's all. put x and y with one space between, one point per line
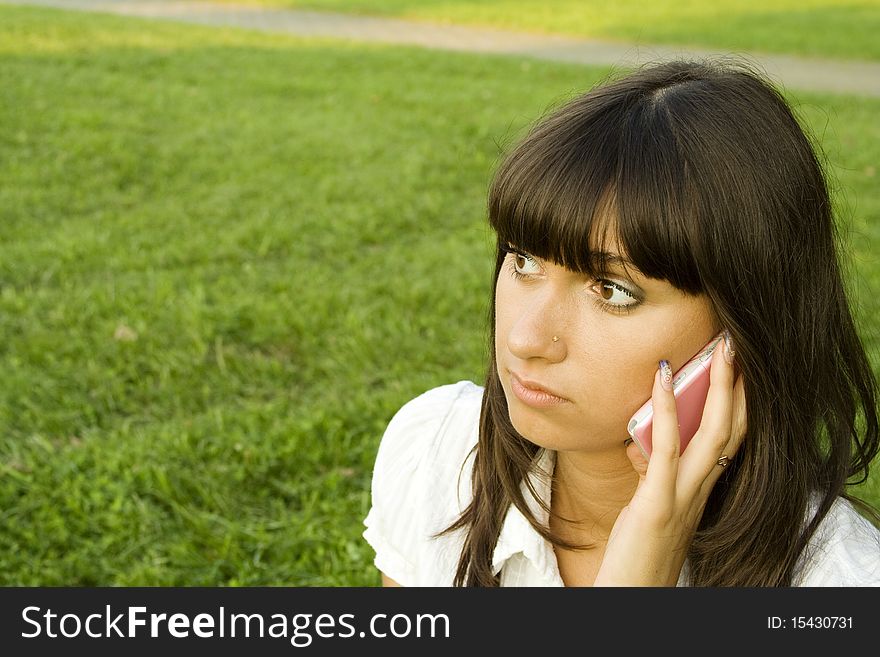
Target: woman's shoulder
844 551
440 417
420 484
437 404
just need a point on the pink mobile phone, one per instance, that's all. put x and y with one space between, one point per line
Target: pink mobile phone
690 385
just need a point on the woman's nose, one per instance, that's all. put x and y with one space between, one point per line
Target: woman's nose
540 319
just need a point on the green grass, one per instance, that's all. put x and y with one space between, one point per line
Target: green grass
825 28
226 259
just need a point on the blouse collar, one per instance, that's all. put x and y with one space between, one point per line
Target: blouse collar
517 533
519 536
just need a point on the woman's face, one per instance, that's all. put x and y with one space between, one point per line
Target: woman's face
612 332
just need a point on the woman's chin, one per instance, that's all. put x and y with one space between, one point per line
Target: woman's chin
537 430
545 433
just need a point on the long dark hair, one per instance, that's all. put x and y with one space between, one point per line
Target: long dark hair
716 188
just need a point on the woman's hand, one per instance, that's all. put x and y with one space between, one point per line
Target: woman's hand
649 541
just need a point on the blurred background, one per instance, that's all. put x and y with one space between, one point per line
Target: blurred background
228 256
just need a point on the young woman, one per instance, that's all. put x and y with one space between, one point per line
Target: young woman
675 205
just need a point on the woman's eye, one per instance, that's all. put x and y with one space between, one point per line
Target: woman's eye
613 293
523 262
610 296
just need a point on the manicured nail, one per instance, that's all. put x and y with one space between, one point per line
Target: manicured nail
665 375
729 351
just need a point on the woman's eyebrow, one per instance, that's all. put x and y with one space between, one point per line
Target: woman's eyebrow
612 260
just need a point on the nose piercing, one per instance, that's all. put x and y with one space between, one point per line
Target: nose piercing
555 338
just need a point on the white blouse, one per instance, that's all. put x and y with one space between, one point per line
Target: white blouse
422 483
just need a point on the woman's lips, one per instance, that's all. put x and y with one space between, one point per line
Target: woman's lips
531 397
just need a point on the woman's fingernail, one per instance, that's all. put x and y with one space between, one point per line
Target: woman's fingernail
665 375
729 351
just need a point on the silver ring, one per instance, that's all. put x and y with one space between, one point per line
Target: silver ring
723 461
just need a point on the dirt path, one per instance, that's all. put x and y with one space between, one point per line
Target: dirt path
810 74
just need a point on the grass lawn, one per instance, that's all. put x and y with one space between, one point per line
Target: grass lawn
828 28
227 258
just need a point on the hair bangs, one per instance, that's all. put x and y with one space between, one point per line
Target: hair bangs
550 198
657 204
593 191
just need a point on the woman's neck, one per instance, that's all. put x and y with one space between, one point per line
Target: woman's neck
591 488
